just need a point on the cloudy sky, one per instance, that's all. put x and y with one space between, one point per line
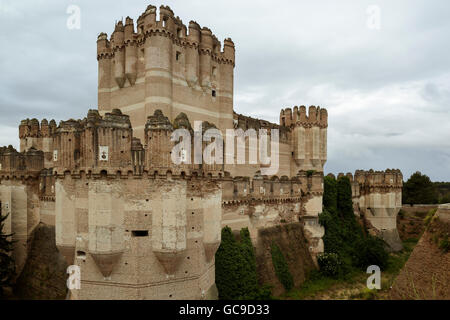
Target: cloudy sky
387 89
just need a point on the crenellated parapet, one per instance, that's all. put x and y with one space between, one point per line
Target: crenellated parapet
262 189
169 26
379 181
93 144
20 164
245 123
33 129
37 135
299 117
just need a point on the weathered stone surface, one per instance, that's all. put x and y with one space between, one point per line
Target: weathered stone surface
137 224
44 275
377 199
294 246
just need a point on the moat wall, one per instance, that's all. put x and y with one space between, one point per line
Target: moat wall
44 274
292 242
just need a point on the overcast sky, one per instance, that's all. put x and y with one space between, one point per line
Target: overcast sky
387 90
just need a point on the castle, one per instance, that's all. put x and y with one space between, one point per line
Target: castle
377 199
138 225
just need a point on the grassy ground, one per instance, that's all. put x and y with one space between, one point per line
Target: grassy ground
354 286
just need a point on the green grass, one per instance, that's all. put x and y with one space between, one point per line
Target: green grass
397 260
429 216
317 283
444 243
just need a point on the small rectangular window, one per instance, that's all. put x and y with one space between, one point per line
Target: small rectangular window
139 233
214 93
178 55
81 255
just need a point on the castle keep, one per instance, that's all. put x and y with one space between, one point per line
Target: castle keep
166 65
138 225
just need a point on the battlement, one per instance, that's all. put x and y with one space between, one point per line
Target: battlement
14 163
298 117
169 26
32 128
264 189
390 178
246 122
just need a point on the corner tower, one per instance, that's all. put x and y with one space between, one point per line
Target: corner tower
309 136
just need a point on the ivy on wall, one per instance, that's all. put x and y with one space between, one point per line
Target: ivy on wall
346 244
281 267
236 275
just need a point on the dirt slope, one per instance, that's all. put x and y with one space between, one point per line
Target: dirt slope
426 274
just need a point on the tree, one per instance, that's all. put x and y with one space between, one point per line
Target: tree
250 276
329 194
419 190
236 273
445 199
229 261
345 243
281 267
7 266
344 197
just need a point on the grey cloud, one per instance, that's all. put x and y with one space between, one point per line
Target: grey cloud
387 91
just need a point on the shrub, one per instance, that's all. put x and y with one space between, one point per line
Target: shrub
329 194
229 262
281 267
344 197
371 251
445 199
330 265
236 274
249 274
344 236
309 173
444 243
429 216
